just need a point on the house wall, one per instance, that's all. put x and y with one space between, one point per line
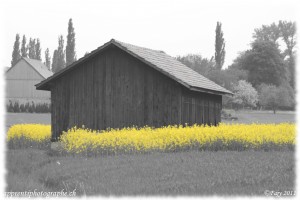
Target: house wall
114 89
20 81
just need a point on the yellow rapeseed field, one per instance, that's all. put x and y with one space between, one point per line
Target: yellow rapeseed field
26 135
172 138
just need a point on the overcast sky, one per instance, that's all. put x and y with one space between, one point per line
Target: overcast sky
176 27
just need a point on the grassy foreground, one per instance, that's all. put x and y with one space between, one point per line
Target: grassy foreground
181 173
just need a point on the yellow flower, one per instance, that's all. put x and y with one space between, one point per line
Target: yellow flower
177 137
32 132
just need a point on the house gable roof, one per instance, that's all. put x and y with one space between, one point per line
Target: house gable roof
37 65
158 60
6 69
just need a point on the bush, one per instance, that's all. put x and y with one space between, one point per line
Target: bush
16 107
22 108
32 107
28 108
37 108
10 107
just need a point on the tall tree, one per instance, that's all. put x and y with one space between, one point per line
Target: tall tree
274 32
283 34
16 51
288 34
31 49
267 33
55 61
47 59
264 64
61 63
38 50
219 47
290 62
24 48
70 48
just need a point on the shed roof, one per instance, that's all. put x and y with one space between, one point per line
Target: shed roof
158 60
37 65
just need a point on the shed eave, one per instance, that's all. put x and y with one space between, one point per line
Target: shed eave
42 86
197 89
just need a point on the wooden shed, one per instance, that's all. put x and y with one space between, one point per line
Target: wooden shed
21 79
123 85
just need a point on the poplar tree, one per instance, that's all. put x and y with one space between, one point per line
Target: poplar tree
31 49
38 50
24 48
16 51
59 61
61 53
219 47
54 61
47 59
70 48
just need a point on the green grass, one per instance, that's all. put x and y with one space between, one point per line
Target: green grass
184 173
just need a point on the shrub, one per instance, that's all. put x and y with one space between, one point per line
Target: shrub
22 108
16 107
28 108
31 107
10 107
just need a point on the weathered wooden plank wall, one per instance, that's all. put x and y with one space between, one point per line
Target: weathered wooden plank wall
200 108
115 90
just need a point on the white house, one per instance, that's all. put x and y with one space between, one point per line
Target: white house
21 79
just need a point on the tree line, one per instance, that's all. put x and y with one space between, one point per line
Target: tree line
262 77
31 50
28 107
61 56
